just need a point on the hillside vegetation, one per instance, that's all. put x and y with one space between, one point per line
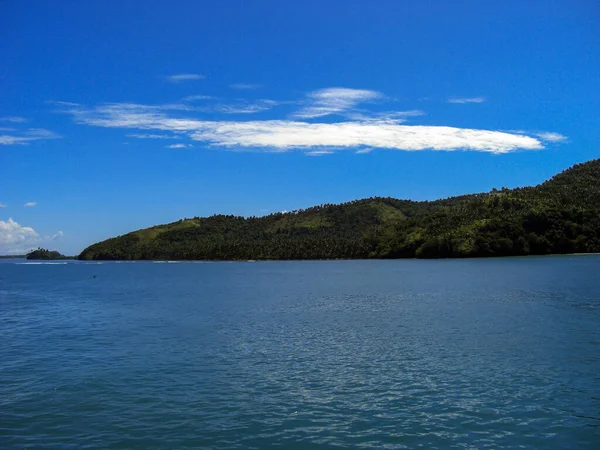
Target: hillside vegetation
561 215
42 253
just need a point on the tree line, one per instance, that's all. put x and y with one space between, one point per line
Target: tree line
561 215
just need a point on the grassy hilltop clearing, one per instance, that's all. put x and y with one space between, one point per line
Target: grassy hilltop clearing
561 215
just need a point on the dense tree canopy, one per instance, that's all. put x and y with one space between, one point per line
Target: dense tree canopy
42 253
561 215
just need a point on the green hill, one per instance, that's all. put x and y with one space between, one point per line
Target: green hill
42 253
561 215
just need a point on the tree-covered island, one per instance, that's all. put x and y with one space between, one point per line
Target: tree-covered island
561 215
44 254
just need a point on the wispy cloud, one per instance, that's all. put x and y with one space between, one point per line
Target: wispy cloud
195 98
177 146
551 137
116 109
236 107
25 137
30 204
466 100
13 119
41 133
319 152
386 116
334 101
243 86
61 103
246 108
12 140
153 136
58 235
2 205
285 135
184 77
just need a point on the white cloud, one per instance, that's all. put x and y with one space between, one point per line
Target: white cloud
386 116
61 103
246 86
121 109
285 135
13 119
13 140
177 146
467 100
551 137
241 109
15 238
363 151
384 132
30 204
319 152
152 136
27 136
41 133
193 98
246 108
334 101
2 205
184 77
148 108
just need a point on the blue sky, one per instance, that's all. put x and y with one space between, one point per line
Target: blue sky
119 115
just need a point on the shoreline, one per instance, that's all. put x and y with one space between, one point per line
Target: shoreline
169 261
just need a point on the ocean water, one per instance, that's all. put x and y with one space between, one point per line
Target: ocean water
485 353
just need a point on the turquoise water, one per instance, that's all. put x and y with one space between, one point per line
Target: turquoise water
498 353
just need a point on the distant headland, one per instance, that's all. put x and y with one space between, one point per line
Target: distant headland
561 215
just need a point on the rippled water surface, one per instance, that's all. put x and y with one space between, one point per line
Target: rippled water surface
497 353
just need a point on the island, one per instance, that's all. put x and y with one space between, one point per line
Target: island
42 253
561 215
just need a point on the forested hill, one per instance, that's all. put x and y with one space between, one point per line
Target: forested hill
561 215
42 253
